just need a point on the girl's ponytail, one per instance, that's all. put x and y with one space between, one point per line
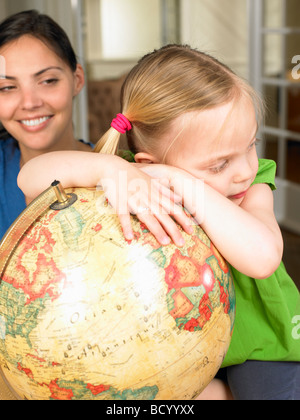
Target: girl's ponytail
109 142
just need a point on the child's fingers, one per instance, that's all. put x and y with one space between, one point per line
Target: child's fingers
170 194
186 222
171 229
150 221
167 207
155 227
163 227
126 226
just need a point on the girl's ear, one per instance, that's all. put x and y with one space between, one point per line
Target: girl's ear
145 158
79 79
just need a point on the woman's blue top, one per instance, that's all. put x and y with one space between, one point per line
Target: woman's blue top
12 200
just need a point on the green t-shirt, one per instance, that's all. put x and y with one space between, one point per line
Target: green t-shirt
266 310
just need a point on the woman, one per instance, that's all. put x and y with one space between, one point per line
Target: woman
41 78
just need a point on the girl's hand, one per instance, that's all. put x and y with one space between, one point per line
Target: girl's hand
181 183
130 190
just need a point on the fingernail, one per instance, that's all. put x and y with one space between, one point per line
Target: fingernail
129 236
191 229
166 241
181 242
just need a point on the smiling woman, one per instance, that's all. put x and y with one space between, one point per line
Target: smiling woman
38 96
39 79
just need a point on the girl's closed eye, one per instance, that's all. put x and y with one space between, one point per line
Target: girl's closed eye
220 168
254 144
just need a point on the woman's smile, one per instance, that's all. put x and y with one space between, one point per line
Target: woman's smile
35 124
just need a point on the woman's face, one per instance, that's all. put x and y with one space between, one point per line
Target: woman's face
36 94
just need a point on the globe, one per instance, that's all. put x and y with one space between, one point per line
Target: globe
85 314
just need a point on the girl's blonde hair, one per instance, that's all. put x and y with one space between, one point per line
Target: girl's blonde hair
166 83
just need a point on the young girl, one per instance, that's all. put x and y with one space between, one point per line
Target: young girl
189 117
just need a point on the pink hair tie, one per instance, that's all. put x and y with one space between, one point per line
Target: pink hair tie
121 124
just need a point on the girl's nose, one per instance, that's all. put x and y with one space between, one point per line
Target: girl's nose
243 170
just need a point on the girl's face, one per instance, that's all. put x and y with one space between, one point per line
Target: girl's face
219 146
36 94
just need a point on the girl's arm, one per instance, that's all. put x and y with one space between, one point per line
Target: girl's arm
127 188
247 236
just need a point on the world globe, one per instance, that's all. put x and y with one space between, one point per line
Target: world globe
85 314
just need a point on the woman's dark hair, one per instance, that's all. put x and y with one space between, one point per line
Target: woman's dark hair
42 27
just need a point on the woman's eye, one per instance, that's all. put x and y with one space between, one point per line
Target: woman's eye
7 88
52 81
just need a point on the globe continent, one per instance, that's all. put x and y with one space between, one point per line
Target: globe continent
85 314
